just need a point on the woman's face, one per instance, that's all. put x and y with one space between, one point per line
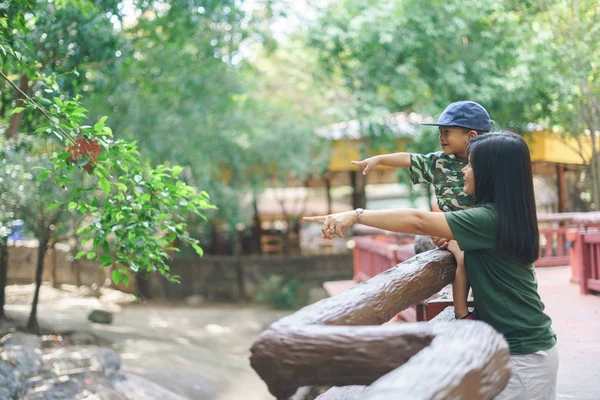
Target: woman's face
469 187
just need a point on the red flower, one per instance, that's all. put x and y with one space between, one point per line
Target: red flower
84 148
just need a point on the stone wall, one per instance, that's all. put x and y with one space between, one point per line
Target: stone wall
59 266
215 278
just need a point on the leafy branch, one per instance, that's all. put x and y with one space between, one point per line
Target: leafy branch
134 213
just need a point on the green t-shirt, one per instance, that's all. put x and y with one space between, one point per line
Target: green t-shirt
504 290
444 173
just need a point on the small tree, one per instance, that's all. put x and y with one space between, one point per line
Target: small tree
11 199
134 211
37 205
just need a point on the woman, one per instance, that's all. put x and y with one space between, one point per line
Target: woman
500 240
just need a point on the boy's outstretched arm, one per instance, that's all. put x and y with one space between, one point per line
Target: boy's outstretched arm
396 160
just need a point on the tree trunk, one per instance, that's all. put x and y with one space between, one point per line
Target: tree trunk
328 194
32 323
3 98
16 119
595 169
257 228
285 239
54 268
143 286
358 182
239 267
560 187
595 166
3 275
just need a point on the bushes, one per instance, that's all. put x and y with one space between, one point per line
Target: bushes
277 292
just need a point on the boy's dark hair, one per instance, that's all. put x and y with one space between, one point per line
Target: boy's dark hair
502 169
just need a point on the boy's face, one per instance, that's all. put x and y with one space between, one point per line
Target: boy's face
454 140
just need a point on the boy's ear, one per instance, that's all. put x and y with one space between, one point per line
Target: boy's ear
471 134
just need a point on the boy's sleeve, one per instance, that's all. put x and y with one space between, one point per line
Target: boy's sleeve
474 228
422 167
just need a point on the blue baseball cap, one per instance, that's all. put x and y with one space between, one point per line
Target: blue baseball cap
465 114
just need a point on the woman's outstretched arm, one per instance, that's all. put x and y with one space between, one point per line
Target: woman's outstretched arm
399 220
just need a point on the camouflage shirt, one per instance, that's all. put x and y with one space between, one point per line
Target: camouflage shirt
444 173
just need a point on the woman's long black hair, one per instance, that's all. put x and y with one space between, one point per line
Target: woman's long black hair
502 169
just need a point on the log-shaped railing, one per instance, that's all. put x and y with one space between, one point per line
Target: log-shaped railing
334 343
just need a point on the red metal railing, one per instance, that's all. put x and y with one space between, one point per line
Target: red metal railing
554 249
588 249
558 236
372 256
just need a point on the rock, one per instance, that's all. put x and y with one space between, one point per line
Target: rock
106 361
82 338
79 359
106 394
21 339
5 393
101 316
423 243
59 388
67 360
194 300
10 385
27 361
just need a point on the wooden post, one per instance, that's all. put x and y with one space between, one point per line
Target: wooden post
560 185
327 180
358 182
583 258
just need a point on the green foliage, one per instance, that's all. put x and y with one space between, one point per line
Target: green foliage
29 195
135 213
132 213
279 293
402 55
242 126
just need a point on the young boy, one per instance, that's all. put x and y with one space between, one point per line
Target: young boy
459 122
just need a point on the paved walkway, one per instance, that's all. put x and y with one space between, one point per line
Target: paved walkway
576 321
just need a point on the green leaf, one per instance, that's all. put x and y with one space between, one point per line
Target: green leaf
104 184
116 276
54 205
198 249
106 260
176 170
90 255
72 206
63 155
43 175
17 110
99 126
83 161
80 254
